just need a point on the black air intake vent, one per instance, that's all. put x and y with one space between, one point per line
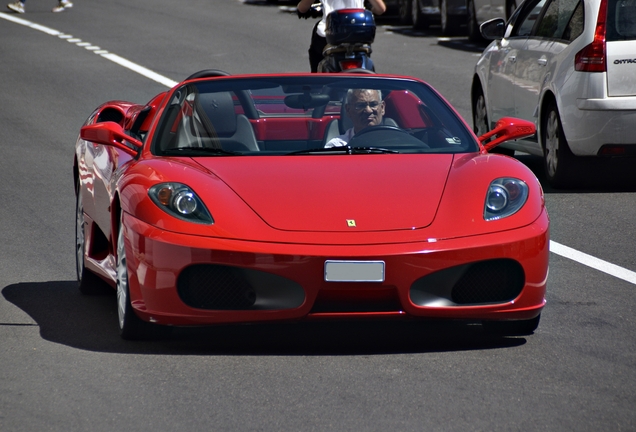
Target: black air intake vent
489 282
209 286
483 282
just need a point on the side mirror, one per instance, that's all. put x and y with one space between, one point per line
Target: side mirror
111 134
507 129
493 29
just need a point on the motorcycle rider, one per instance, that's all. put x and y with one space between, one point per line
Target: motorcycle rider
318 39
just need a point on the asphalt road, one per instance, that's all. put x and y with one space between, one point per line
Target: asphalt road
64 368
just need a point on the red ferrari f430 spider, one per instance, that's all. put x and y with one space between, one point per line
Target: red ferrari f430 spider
287 197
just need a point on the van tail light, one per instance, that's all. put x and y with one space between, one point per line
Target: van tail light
593 58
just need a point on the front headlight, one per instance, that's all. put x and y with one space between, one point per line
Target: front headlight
505 197
180 201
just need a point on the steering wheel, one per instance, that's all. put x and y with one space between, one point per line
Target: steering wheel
386 136
369 129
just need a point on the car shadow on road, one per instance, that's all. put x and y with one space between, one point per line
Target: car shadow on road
458 43
67 317
597 176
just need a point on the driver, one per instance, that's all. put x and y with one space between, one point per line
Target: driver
365 108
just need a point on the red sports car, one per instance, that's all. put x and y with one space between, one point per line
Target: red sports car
250 198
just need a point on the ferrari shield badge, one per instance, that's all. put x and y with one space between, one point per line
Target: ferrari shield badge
351 223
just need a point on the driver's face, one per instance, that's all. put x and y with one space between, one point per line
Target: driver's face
365 109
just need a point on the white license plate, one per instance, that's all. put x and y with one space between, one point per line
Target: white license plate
354 271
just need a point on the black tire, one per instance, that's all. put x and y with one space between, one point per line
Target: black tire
480 113
473 28
417 17
87 281
480 118
512 328
511 7
561 166
450 23
131 327
404 12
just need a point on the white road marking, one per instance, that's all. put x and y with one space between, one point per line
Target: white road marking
95 49
557 248
140 70
595 263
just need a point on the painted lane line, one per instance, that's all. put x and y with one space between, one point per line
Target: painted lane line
140 70
557 248
15 19
595 263
105 54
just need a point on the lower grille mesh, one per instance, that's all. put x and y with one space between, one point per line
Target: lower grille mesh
215 287
489 282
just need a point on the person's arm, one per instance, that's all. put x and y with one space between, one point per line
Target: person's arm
377 6
304 5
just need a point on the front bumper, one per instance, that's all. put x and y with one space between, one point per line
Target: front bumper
286 281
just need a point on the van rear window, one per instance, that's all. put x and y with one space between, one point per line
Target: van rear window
621 20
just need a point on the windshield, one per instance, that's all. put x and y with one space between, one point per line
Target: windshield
323 114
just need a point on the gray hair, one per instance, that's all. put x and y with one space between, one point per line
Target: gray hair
350 94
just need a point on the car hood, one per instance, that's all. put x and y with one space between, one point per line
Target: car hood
337 193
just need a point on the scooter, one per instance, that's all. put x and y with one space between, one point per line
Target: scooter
349 34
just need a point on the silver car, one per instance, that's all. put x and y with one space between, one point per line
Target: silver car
570 67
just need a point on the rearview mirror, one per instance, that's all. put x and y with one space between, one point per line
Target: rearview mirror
507 129
111 134
306 101
493 29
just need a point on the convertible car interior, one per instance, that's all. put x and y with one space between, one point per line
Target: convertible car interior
274 117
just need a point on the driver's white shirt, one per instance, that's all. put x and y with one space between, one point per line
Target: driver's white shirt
341 140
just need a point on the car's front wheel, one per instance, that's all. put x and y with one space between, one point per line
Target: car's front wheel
480 115
404 11
560 162
417 17
480 119
473 27
511 7
450 23
131 327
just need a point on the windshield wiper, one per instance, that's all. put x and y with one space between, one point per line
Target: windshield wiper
206 150
345 150
358 150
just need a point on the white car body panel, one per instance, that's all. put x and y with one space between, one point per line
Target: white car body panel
596 108
621 68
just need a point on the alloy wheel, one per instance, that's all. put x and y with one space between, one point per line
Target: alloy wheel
80 240
480 117
122 280
552 143
405 11
511 6
419 21
473 29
